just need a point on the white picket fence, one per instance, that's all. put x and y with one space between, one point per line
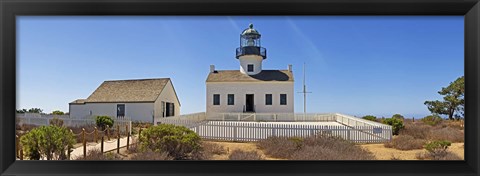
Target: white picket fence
253 131
185 120
41 120
271 117
256 126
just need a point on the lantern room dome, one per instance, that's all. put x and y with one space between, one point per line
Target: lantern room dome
250 31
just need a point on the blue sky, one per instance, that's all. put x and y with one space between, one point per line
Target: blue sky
357 65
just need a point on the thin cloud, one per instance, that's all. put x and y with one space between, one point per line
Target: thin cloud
315 54
233 23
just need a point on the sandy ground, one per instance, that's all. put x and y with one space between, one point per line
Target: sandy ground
380 152
245 146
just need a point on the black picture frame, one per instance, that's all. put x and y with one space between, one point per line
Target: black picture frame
9 9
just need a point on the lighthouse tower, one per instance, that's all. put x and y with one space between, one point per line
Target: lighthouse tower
250 53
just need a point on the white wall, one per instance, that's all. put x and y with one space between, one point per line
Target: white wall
167 95
259 89
135 111
251 59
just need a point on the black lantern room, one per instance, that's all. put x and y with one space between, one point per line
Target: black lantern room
250 43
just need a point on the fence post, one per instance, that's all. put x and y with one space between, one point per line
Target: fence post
108 132
68 152
84 144
101 145
21 154
348 133
16 146
95 135
235 133
130 127
128 140
118 139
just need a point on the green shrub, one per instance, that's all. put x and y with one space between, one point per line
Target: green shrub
104 121
398 116
56 122
51 142
396 124
438 149
432 120
178 141
58 112
370 117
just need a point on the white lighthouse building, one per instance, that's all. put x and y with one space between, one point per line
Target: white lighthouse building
251 89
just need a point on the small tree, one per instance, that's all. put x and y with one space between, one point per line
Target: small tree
35 110
58 112
432 119
398 116
370 117
51 142
396 124
178 141
104 121
453 103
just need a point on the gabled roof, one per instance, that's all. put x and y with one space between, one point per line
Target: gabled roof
263 76
138 90
78 101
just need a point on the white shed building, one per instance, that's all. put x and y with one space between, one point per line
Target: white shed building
138 100
249 89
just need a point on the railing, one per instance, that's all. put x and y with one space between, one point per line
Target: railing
69 122
270 117
188 120
354 121
249 126
253 131
254 50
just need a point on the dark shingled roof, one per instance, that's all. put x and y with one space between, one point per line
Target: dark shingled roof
138 90
263 76
79 101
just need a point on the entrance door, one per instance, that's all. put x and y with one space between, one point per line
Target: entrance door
249 107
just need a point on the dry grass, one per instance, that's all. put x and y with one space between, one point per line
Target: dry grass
213 149
447 133
278 147
314 148
96 154
417 130
245 155
150 155
430 156
405 142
